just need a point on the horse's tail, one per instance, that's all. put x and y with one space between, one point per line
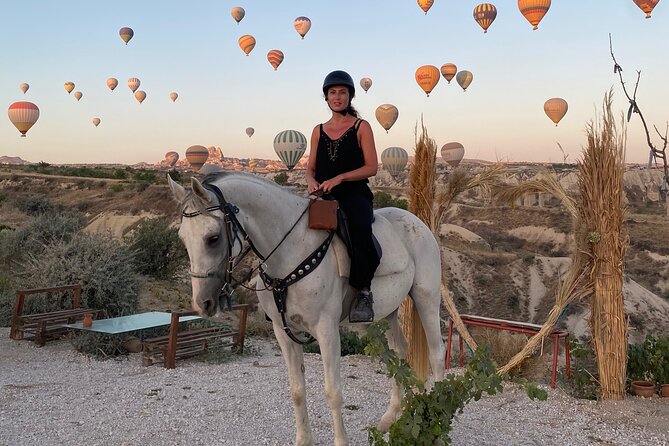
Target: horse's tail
412 326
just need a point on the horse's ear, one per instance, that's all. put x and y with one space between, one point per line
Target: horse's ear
178 190
199 190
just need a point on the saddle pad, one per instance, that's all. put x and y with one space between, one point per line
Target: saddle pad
395 256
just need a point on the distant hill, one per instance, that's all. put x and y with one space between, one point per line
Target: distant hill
13 160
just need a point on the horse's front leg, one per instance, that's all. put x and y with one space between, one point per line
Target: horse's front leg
294 357
330 345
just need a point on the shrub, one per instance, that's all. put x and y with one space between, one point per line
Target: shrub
158 251
2 198
384 200
36 205
351 344
583 382
116 188
176 175
281 178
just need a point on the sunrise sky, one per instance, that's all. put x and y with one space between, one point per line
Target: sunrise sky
191 48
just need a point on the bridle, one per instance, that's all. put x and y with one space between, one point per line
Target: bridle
235 233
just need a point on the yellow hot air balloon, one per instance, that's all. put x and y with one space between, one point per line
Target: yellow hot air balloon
126 34
365 83
23 115
253 163
171 158
556 108
485 14
646 6
133 84
464 78
427 77
250 131
452 153
174 96
290 146
197 156
238 13
112 83
96 121
246 43
78 95
302 25
24 87
275 57
534 10
425 5
387 114
140 96
448 70
69 86
394 160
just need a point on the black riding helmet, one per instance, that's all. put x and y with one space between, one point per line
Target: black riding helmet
339 77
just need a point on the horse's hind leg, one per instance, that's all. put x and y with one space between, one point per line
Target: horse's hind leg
398 342
294 358
428 303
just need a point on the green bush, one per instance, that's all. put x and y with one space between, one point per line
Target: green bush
351 344
158 251
384 200
36 205
583 382
281 178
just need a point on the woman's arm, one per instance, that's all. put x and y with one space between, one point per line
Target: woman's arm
312 184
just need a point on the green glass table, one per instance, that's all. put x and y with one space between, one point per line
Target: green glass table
134 322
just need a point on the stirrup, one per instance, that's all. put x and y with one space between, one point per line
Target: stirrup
363 309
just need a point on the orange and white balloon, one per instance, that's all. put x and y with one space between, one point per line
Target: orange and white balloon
302 25
275 57
23 115
534 10
425 5
247 42
112 83
448 70
387 115
427 78
171 158
556 108
174 95
485 14
452 153
24 87
133 84
140 96
96 121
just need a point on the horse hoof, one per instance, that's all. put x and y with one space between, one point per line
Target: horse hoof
385 424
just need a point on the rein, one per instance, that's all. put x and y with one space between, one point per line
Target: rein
279 287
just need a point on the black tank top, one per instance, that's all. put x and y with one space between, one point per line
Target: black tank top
334 157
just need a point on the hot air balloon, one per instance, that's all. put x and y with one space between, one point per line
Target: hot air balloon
24 87
427 78
485 14
425 5
556 108
387 114
464 78
171 158
253 163
275 57
78 95
197 156
452 153
133 84
365 83
126 34
302 25
23 115
448 70
112 83
290 146
140 96
646 6
96 121
174 96
238 13
69 86
534 10
246 43
250 131
394 160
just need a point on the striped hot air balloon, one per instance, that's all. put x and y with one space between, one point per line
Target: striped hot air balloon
133 84
24 87
78 95
250 131
174 96
290 145
126 34
275 57
387 114
365 83
448 70
427 78
394 160
247 42
112 82
96 121
464 78
238 13
646 6
425 5
556 108
534 10
452 153
302 25
485 14
69 86
140 96
171 158
197 156
23 115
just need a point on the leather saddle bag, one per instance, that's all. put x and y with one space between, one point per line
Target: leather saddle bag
323 214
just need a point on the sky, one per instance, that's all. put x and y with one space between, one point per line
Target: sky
192 48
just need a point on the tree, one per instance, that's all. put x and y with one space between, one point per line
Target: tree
281 178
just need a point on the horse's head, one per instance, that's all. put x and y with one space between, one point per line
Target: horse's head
203 231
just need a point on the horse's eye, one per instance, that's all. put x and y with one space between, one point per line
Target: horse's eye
211 241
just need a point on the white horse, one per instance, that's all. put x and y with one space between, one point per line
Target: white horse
273 220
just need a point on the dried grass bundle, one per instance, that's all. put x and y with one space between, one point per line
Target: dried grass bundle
546 183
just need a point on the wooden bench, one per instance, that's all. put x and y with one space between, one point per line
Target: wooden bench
183 344
516 327
49 325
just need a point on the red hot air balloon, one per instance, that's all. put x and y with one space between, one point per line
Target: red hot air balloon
646 6
275 57
23 115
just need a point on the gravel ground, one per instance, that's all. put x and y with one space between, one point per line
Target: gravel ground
56 396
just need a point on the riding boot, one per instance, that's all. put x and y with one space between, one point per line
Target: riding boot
362 310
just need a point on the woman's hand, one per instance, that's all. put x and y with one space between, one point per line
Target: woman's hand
312 185
328 185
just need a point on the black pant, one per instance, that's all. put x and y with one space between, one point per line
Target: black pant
357 205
